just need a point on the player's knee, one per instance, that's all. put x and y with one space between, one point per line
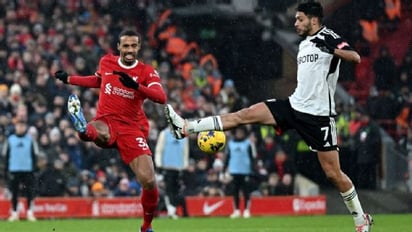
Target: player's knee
147 179
103 134
103 138
332 176
148 183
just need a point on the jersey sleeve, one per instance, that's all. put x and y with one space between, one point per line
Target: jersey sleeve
152 88
91 81
152 76
99 67
336 41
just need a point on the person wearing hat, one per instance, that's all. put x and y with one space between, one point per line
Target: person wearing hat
21 151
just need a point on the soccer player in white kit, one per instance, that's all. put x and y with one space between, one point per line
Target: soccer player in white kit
310 109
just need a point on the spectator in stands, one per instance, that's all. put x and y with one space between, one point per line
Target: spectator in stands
5 105
195 177
404 117
70 170
191 184
385 70
285 186
230 97
269 187
223 177
240 163
402 85
135 187
406 67
39 105
85 182
283 165
210 66
384 108
52 181
73 188
44 85
5 193
99 190
261 173
75 151
342 126
370 29
393 13
213 186
267 151
16 96
45 146
309 112
368 150
123 189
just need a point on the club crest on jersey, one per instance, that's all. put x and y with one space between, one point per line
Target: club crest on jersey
154 74
108 88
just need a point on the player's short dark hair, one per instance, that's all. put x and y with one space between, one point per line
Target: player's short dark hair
311 8
129 32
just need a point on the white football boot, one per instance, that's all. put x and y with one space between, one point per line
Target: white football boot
366 226
176 123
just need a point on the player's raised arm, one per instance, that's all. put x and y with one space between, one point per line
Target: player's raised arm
91 81
153 91
348 55
334 44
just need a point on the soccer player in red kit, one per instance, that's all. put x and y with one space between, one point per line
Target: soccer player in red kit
120 121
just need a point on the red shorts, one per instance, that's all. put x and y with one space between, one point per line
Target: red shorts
130 141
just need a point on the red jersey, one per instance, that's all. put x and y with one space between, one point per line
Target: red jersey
123 104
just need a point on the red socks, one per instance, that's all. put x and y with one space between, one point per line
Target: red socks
90 134
149 202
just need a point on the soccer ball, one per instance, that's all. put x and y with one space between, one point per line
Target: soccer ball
211 141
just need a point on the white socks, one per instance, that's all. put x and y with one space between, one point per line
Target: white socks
352 202
205 124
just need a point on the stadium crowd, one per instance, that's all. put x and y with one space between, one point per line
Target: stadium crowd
37 38
40 37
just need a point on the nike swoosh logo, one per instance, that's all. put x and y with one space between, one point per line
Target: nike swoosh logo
208 209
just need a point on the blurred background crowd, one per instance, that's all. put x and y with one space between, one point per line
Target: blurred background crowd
39 37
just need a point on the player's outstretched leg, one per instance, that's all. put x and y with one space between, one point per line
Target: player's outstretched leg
176 123
76 113
366 227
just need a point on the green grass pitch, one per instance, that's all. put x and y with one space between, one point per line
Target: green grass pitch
324 223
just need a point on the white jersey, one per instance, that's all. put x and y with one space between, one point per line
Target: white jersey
317 75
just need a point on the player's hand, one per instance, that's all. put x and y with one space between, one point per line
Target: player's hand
127 80
323 45
61 75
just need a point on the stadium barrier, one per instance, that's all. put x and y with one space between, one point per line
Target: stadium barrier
62 207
